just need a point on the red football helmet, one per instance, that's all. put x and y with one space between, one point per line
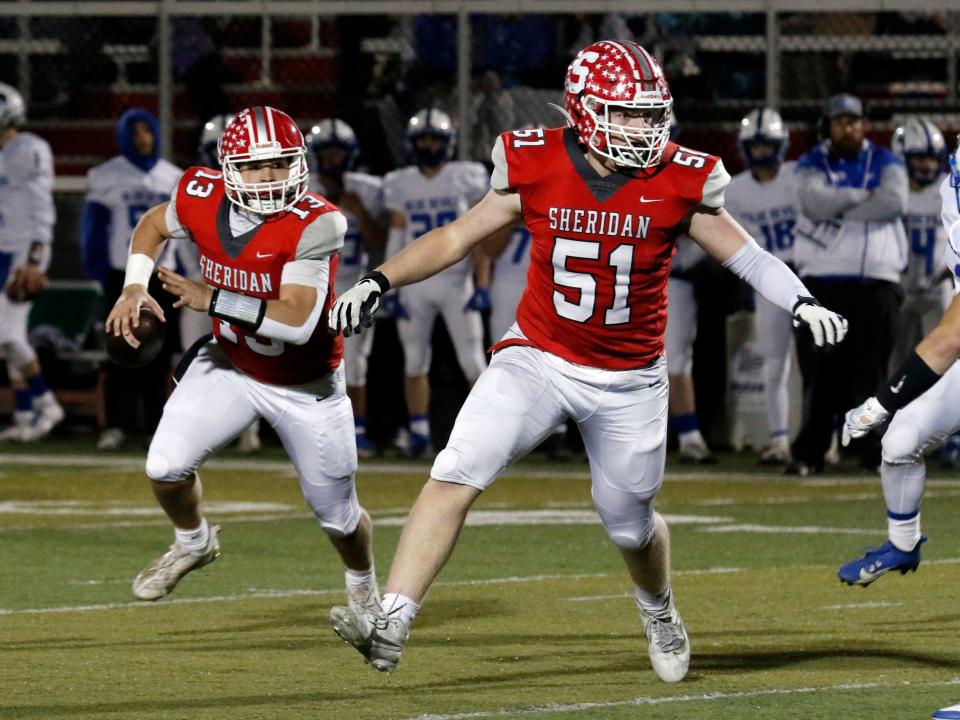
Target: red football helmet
263 133
612 74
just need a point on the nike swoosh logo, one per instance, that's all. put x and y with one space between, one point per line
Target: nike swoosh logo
650 200
896 388
264 255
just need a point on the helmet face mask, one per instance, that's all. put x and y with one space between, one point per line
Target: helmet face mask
763 139
259 135
921 146
619 102
333 147
430 138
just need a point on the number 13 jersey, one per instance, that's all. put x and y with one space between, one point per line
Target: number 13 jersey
252 263
596 291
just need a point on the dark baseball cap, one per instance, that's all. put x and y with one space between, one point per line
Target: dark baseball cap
843 104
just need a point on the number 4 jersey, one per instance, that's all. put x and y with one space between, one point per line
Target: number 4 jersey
243 254
596 290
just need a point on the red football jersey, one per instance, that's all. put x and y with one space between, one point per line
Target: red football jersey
601 247
252 264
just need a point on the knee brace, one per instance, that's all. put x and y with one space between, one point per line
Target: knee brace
901 444
335 506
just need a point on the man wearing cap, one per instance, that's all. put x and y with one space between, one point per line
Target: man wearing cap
850 251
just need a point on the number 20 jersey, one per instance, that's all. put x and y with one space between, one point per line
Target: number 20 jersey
252 264
596 291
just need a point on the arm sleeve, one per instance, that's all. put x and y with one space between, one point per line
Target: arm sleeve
94 237
767 275
716 186
819 200
323 237
888 202
500 179
312 273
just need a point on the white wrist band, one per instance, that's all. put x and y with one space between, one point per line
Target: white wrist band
139 270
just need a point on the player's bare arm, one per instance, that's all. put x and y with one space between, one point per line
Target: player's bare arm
725 240
424 257
149 237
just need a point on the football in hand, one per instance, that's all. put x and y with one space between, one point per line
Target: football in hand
143 347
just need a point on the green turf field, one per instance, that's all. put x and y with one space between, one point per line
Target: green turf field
530 619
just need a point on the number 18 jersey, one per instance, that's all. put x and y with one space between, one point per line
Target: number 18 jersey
596 291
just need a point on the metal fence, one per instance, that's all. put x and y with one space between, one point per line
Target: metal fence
494 64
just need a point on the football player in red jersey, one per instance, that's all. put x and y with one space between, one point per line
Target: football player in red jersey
268 255
605 199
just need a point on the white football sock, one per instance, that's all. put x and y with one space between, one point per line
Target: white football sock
653 603
196 540
407 608
360 578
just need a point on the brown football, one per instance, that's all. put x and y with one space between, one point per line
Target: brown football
149 334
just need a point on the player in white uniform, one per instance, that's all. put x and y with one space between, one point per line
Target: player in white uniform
119 192
26 232
763 199
924 392
680 335
926 283
421 197
334 149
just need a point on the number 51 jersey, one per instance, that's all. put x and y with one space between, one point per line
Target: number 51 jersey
252 263
596 291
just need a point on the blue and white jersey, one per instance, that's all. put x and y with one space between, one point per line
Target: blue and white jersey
509 280
927 238
431 202
127 192
353 256
26 193
767 210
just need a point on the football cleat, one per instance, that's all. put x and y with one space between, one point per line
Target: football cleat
111 439
378 636
776 453
48 417
160 577
947 713
19 432
696 453
667 642
878 561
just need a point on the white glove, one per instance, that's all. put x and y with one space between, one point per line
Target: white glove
354 310
827 327
862 419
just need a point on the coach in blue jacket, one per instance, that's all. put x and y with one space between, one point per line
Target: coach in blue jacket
850 251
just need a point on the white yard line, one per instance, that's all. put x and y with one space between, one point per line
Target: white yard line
857 606
798 529
666 700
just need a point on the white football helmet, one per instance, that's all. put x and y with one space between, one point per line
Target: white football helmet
209 137
333 131
13 111
434 123
763 125
918 137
